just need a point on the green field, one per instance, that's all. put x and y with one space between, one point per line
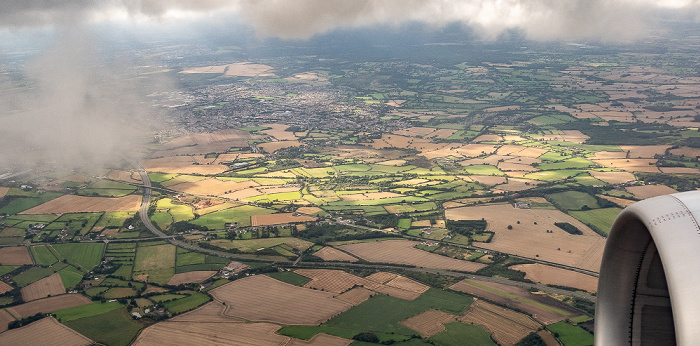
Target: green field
573 163
290 278
273 197
456 333
70 276
307 332
218 219
36 273
166 297
157 261
42 255
6 269
88 310
179 212
383 313
114 218
23 203
160 177
573 200
602 219
181 305
555 175
571 335
114 327
404 223
83 256
185 258
483 170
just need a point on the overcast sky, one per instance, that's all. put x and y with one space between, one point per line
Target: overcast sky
604 20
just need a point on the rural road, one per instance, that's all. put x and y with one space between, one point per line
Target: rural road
143 212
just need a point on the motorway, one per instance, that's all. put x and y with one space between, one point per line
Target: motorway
147 222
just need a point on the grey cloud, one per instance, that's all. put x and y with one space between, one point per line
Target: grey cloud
77 111
611 20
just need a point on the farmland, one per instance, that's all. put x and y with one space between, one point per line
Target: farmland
532 234
375 173
261 298
43 332
403 252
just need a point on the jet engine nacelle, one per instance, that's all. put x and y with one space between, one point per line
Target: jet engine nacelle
649 284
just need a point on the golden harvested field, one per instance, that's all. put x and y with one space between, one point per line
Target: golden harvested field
248 69
191 277
48 304
46 331
278 219
355 295
328 253
5 318
213 186
532 240
510 149
262 298
271 147
523 301
421 223
204 333
4 287
488 180
404 283
3 191
242 194
15 256
613 177
630 165
518 184
619 201
369 195
207 69
415 131
556 276
309 210
404 252
442 133
487 138
335 281
129 177
202 143
278 131
685 151
507 326
80 204
644 151
181 165
679 170
648 191
474 150
48 286
574 136
209 312
214 207
338 281
429 323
